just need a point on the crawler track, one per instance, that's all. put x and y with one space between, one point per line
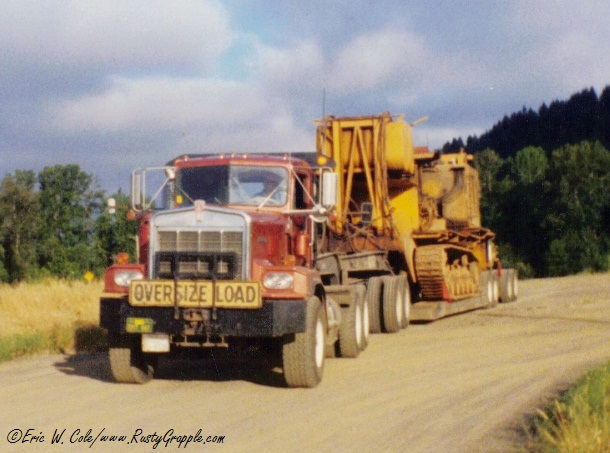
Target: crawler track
445 272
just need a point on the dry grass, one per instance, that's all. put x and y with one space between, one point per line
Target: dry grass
51 315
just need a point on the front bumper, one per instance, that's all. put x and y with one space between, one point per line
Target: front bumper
274 318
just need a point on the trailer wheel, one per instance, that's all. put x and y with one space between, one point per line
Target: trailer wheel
508 285
373 300
392 304
350 330
128 364
360 294
303 355
406 302
505 288
489 288
514 283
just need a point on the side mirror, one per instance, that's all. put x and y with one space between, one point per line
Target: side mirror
329 190
137 201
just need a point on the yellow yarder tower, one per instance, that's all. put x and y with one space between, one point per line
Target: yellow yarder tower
422 207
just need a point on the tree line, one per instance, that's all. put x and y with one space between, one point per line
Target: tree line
54 223
545 179
551 214
585 116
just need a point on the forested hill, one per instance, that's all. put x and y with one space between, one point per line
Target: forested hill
545 185
585 116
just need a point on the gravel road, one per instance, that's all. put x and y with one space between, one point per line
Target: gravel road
464 383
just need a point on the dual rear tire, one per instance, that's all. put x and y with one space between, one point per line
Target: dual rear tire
389 300
354 328
509 289
490 288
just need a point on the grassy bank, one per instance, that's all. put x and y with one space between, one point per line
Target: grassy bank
53 316
577 421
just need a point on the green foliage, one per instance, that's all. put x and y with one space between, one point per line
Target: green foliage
531 165
80 337
21 345
19 225
579 187
551 216
114 232
69 203
579 420
54 224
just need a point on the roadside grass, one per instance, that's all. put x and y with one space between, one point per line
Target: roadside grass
49 316
578 420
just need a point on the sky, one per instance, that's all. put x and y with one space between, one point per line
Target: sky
116 85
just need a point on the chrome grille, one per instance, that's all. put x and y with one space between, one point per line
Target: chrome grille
199 254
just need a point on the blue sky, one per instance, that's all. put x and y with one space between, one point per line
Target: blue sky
115 85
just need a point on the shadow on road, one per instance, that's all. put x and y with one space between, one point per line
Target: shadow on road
217 366
94 366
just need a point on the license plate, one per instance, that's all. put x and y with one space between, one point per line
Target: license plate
195 294
139 325
155 342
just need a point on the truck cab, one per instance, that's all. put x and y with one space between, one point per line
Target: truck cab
225 255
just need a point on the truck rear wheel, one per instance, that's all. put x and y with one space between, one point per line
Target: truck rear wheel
373 299
406 301
360 295
351 330
392 303
129 364
303 356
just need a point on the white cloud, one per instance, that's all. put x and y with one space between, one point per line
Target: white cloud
565 45
118 34
160 104
374 59
275 132
297 65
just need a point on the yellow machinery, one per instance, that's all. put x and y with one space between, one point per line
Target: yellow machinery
422 207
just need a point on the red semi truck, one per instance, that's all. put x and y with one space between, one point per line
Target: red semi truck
227 253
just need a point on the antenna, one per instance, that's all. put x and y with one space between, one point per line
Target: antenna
323 102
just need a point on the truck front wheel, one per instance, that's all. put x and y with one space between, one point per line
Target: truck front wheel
303 355
128 363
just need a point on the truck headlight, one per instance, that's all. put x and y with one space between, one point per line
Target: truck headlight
278 280
124 278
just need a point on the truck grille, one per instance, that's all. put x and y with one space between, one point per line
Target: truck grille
199 254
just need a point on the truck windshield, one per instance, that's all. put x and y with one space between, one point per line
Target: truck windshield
228 185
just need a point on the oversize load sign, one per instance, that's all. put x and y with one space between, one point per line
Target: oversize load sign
201 294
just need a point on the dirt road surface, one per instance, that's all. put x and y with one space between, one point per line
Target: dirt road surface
465 383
